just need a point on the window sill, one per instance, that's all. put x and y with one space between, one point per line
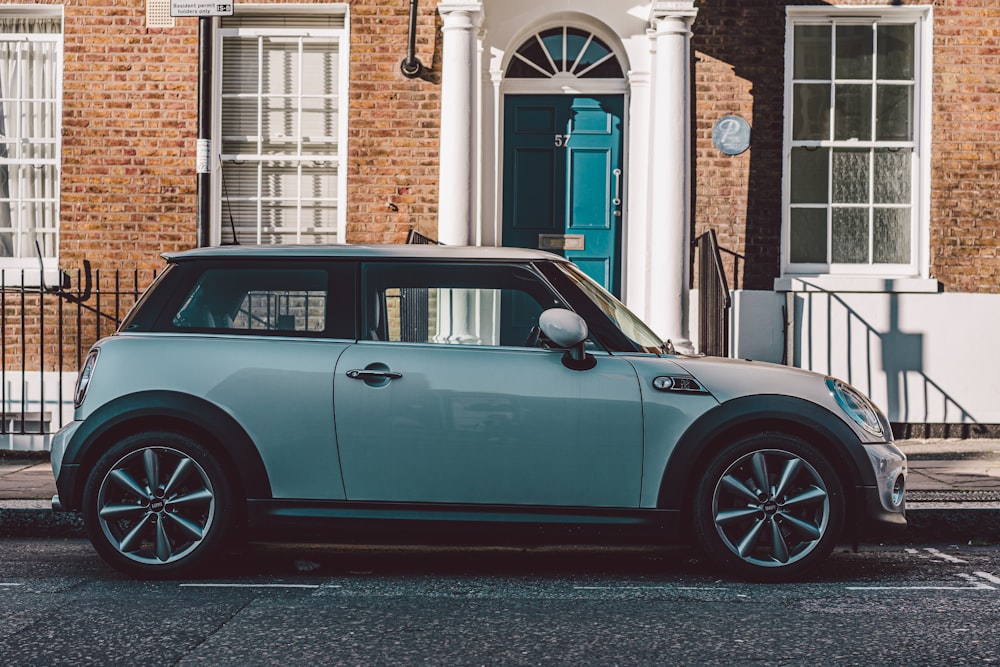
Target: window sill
856 284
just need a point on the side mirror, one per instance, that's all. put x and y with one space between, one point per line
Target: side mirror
567 330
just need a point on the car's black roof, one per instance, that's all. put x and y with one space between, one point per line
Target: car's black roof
345 251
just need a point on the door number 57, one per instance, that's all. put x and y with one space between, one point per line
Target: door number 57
562 140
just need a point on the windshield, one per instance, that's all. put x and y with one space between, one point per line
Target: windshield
630 325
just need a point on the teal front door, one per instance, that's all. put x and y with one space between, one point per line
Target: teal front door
563 179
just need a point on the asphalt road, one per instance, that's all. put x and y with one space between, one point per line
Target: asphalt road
303 605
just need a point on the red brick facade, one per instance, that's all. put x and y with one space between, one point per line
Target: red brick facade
965 171
394 124
129 129
130 123
739 69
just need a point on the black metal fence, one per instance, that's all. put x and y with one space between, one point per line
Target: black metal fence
714 301
45 333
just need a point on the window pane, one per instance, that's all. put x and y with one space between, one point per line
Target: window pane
891 242
240 65
849 244
321 62
850 176
812 52
280 67
575 41
894 119
808 236
892 175
810 175
895 52
853 113
532 52
319 126
258 300
854 52
811 109
553 40
239 126
280 127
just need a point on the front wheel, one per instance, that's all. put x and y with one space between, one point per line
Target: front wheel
157 505
769 507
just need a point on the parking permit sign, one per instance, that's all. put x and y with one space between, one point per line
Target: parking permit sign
200 8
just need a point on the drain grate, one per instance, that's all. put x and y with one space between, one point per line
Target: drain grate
953 496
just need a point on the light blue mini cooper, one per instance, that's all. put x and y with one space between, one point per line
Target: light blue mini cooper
411 393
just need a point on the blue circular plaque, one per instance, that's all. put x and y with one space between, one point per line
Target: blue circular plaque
731 135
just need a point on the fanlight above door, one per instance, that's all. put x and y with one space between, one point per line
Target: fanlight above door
564 52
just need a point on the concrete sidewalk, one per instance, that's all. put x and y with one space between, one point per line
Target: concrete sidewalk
953 493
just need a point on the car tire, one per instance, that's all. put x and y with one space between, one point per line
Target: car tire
157 505
769 507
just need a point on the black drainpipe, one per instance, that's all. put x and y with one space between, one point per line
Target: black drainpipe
411 67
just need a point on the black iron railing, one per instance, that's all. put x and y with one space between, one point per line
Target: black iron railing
714 301
45 333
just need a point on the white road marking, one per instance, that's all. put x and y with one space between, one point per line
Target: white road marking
972 580
646 588
9 585
993 579
976 585
311 586
920 588
944 556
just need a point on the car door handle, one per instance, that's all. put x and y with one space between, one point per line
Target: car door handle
368 374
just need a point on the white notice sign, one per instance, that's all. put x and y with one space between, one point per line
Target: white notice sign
200 8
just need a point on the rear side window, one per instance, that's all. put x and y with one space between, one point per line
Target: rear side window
280 301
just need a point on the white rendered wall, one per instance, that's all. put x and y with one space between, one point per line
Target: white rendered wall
923 358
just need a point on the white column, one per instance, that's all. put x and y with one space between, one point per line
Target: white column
670 172
458 72
635 291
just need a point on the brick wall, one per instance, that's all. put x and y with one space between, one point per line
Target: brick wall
129 130
739 69
130 126
965 171
394 124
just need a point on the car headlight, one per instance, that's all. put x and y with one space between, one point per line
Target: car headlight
857 406
83 379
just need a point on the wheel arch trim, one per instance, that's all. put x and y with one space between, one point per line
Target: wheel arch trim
746 415
148 410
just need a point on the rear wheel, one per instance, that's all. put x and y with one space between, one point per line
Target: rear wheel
769 507
157 504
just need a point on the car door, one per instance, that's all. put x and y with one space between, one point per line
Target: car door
445 402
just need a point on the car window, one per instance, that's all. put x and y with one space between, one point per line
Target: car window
454 304
257 300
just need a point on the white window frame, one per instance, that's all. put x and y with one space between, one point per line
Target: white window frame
220 225
28 269
911 277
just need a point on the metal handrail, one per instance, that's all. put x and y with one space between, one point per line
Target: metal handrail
714 300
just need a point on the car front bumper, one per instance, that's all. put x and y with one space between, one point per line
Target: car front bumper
65 474
883 505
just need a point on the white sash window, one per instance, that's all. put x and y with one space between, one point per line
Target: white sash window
31 51
856 141
283 127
